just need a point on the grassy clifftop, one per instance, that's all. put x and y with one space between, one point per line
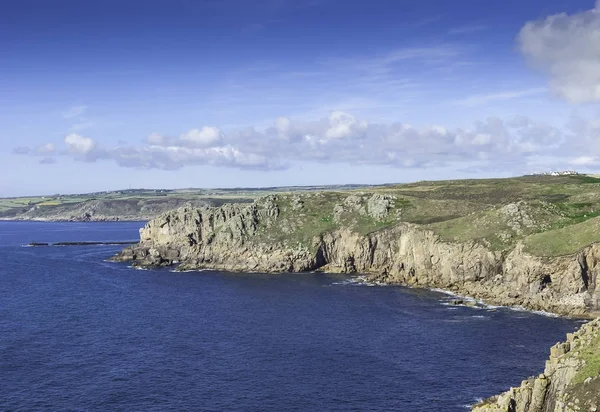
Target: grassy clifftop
550 215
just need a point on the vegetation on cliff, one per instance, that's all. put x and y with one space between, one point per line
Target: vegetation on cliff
551 215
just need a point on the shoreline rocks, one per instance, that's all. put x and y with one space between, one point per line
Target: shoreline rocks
569 383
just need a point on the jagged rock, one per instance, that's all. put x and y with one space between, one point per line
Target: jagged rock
297 203
378 206
517 216
556 390
560 349
464 302
338 210
355 203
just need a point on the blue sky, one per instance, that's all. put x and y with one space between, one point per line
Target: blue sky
215 93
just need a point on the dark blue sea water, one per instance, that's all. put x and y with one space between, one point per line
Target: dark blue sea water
80 333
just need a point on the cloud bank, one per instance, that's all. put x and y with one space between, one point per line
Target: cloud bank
491 144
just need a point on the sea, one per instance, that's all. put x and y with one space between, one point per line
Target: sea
80 333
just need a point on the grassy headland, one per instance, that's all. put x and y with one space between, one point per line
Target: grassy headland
550 215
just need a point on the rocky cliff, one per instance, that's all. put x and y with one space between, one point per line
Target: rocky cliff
365 234
570 382
102 210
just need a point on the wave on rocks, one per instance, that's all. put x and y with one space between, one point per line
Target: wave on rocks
469 302
357 281
537 312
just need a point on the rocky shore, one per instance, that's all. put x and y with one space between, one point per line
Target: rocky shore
260 237
569 383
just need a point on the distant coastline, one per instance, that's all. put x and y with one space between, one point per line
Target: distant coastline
134 204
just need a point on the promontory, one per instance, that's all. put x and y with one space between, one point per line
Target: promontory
532 242
528 241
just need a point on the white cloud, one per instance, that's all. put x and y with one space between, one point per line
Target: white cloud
439 129
176 157
74 111
283 127
205 137
567 48
343 125
79 145
481 139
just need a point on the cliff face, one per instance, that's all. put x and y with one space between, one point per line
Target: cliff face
570 382
256 237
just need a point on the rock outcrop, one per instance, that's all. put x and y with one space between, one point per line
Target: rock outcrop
570 382
258 237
